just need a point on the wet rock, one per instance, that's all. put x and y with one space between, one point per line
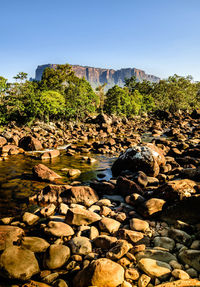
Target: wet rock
56 256
42 172
84 195
18 263
58 229
80 245
109 225
35 244
103 187
119 249
50 154
155 268
9 235
139 225
146 158
79 216
100 273
190 257
29 143
48 210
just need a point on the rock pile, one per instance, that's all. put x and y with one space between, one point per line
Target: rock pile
141 228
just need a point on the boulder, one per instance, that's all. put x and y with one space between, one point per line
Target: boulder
58 229
151 207
139 225
130 235
104 241
50 154
109 225
56 256
155 268
147 158
30 218
155 254
29 143
79 216
80 245
126 186
9 235
119 249
176 189
179 236
164 242
190 257
18 263
35 244
84 195
42 172
3 141
100 273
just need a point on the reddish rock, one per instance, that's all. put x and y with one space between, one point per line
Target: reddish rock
176 189
42 172
151 207
9 234
29 143
130 235
102 272
79 216
3 141
50 154
80 194
126 186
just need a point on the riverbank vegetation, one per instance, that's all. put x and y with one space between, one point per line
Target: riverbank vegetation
60 95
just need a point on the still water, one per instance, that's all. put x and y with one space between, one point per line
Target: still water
17 184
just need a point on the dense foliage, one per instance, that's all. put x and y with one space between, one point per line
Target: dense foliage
60 95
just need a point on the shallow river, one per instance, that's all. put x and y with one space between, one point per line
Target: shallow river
16 182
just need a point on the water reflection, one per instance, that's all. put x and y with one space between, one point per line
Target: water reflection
16 183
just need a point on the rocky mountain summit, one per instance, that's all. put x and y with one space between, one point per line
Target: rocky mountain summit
99 76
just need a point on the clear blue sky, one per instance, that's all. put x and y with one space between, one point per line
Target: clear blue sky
161 37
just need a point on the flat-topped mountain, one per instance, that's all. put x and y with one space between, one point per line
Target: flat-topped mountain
99 76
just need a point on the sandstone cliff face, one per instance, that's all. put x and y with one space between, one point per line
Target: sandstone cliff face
99 76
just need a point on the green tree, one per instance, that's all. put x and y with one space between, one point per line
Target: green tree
117 101
81 100
52 104
21 76
57 78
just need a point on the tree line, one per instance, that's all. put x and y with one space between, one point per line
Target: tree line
61 95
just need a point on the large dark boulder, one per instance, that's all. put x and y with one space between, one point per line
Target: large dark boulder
147 158
29 143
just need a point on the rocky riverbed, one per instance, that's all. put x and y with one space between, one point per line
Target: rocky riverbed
138 228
